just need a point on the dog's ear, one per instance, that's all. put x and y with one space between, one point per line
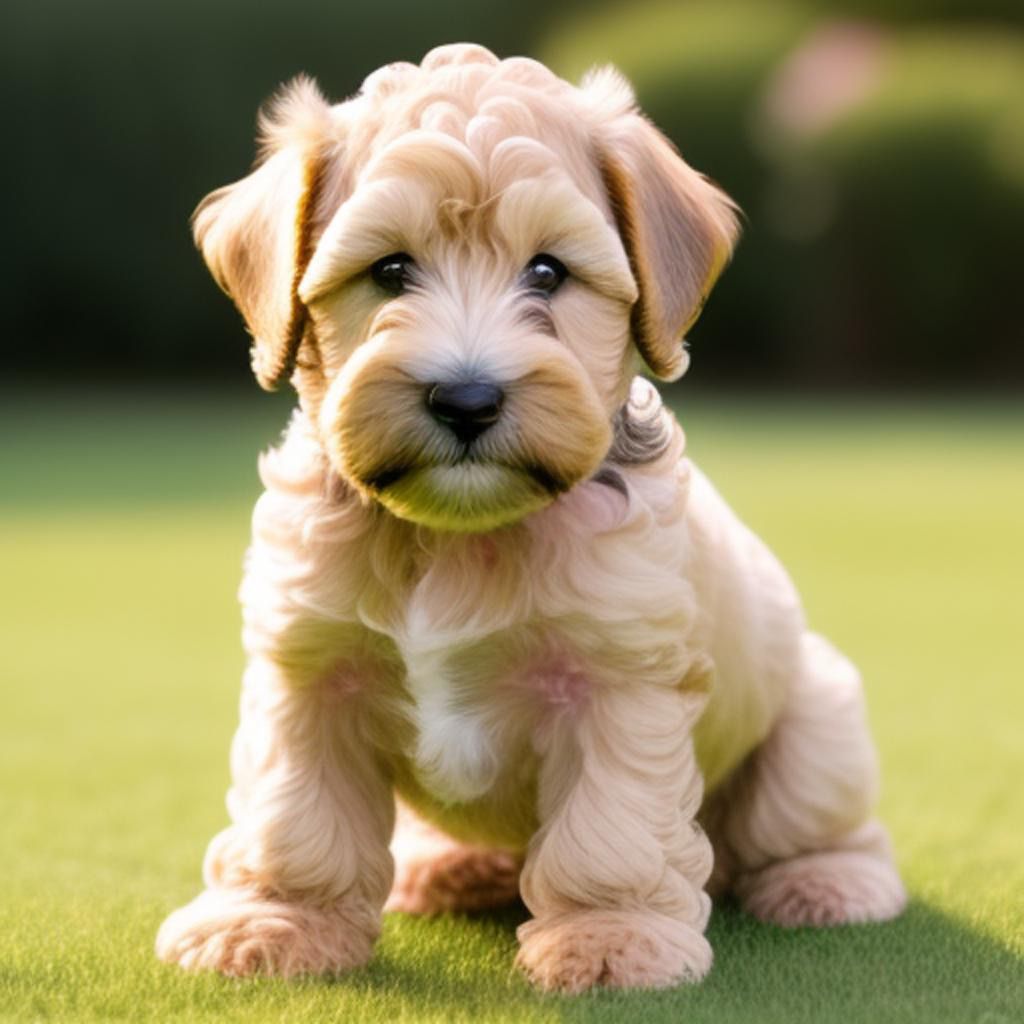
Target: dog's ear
256 235
678 230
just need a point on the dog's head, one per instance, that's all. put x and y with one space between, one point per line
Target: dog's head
458 268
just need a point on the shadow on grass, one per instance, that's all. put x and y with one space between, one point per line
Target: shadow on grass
925 966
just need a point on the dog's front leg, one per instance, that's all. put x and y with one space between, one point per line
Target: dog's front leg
296 884
615 875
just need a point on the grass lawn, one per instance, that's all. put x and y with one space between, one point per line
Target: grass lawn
122 527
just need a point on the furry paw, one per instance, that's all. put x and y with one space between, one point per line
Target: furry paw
240 934
617 949
822 889
459 878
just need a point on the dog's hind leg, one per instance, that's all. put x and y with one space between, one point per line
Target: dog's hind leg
435 873
297 883
795 826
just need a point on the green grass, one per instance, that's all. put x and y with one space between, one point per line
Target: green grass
122 528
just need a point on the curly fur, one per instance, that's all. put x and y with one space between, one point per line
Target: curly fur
558 647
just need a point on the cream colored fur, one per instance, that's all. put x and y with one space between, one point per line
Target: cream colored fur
566 656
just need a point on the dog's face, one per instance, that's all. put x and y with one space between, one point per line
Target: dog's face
460 265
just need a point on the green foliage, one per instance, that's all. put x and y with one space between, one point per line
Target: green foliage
921 10
928 180
882 241
121 541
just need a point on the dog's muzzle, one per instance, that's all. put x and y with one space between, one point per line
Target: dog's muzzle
462 451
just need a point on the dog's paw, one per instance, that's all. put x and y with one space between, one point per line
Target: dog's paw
240 934
823 889
460 878
617 949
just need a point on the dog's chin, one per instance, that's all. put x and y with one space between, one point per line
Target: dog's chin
469 497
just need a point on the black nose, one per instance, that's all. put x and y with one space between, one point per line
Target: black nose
466 409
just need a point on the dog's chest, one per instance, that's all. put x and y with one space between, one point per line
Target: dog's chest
478 696
495 645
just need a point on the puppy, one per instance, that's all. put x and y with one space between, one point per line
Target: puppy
484 578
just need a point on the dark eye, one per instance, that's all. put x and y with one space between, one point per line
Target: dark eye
544 274
391 273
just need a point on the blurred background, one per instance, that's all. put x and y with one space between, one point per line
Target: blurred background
876 147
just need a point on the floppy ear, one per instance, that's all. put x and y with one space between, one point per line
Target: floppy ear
257 234
678 230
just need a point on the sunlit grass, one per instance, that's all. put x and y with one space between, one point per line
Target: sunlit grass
122 527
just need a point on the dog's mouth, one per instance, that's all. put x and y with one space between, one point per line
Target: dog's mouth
467 494
390 475
386 477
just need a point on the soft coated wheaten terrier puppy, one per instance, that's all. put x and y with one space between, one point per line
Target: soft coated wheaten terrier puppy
485 578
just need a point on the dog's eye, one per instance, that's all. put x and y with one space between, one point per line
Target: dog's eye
391 273
544 274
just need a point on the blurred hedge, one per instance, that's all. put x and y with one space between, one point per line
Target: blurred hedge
882 247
